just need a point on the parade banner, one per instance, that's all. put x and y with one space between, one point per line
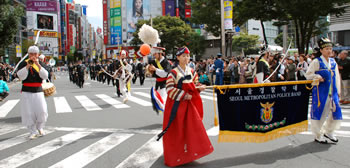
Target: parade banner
262 112
228 8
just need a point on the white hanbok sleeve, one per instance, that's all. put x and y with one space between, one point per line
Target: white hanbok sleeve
310 73
22 73
161 73
337 79
43 73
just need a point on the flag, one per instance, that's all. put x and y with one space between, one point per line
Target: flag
157 101
262 112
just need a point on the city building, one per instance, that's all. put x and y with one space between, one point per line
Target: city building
340 30
43 16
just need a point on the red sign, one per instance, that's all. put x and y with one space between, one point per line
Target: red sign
187 13
105 22
70 40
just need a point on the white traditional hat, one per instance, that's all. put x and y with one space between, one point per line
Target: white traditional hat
33 49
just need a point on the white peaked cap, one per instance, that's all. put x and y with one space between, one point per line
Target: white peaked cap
123 52
33 49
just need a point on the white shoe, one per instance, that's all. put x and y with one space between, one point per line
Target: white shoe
32 136
321 140
331 137
125 100
41 132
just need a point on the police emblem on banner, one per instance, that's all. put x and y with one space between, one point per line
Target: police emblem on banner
266 113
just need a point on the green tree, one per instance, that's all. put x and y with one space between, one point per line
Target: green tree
196 44
279 40
173 32
303 14
10 16
207 12
245 42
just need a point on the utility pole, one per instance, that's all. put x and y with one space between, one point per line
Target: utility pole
285 37
222 28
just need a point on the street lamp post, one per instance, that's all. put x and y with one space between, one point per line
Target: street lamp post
222 28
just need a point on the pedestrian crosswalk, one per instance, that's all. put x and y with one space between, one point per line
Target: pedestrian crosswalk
64 104
144 156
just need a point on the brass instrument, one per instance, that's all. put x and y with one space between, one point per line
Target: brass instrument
30 62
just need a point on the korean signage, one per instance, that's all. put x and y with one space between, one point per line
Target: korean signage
46 34
228 5
105 22
115 22
41 6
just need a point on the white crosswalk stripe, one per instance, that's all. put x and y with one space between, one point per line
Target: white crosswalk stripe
143 94
17 140
7 107
62 105
115 103
144 156
8 129
140 101
45 148
88 104
90 153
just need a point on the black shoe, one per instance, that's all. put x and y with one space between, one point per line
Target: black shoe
321 140
332 138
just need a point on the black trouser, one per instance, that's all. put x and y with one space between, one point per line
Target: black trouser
142 78
117 87
3 95
134 78
81 82
108 79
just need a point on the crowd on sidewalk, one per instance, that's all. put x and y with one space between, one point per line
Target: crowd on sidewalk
242 70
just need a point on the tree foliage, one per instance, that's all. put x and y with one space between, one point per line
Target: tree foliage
173 33
197 45
279 40
9 19
207 12
303 14
246 42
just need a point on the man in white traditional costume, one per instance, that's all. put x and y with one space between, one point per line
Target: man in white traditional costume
124 75
33 104
326 113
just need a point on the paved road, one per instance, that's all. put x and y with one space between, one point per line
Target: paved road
90 127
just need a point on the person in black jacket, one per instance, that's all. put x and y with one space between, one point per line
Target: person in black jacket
344 70
140 68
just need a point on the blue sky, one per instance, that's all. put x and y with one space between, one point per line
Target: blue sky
93 12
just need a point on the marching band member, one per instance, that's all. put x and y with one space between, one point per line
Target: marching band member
326 113
33 105
185 138
160 67
123 73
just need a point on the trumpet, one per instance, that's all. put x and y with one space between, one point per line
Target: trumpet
30 62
